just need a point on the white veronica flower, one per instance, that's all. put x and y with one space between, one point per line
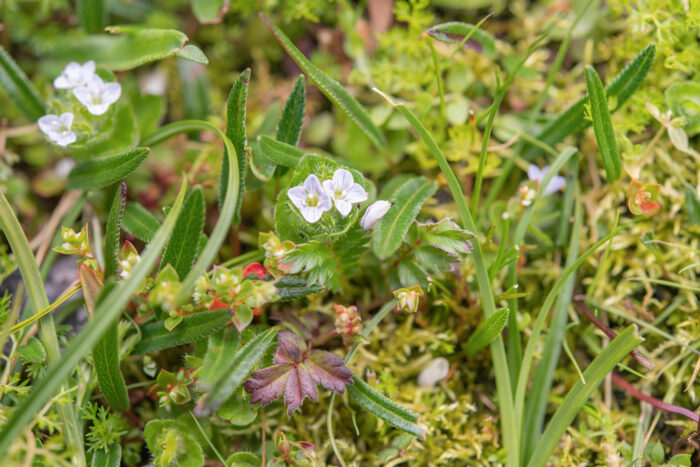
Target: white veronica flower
75 74
373 213
344 191
58 128
434 372
310 198
555 184
97 95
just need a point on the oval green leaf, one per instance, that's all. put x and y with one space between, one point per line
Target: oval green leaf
112 231
154 336
289 127
280 153
487 332
188 229
602 126
103 171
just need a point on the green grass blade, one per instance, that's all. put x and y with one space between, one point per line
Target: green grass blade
407 201
109 456
92 15
208 11
188 229
139 222
80 346
292 118
103 171
602 126
19 88
235 131
382 407
155 336
487 332
603 364
454 32
331 88
112 232
221 346
280 153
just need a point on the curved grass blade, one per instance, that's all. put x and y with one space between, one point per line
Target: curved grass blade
92 15
381 406
454 32
618 348
292 118
81 345
487 332
280 153
154 336
235 130
331 88
112 231
188 230
19 88
602 126
407 201
103 171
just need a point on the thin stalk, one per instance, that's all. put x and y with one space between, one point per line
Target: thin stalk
209 442
441 90
61 300
47 330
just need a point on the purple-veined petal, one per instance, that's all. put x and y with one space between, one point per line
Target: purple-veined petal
49 123
356 194
311 214
343 207
342 179
373 213
297 195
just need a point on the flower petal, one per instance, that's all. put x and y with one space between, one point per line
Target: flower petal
64 138
343 206
324 201
342 179
555 184
49 123
297 195
82 93
311 214
312 184
356 194
67 119
534 172
328 187
373 213
111 92
89 69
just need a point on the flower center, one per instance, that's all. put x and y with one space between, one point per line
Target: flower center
312 200
339 193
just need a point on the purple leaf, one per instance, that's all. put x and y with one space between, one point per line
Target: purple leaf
297 371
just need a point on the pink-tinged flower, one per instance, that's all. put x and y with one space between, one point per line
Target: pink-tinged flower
374 212
344 191
75 74
97 95
58 128
641 198
310 198
555 184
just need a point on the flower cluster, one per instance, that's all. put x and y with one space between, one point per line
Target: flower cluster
77 243
313 198
347 321
229 288
89 89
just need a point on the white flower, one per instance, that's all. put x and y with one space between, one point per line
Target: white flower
58 128
555 184
344 191
97 95
310 198
75 74
435 371
374 212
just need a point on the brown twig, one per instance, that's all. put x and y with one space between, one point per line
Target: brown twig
661 405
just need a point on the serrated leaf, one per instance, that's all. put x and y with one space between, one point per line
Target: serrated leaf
602 126
382 407
291 288
139 222
220 348
188 230
280 153
92 15
209 11
127 47
238 410
390 230
154 336
109 456
19 88
112 231
289 127
32 351
193 53
103 171
331 88
171 443
487 332
237 370
118 134
236 132
692 205
454 31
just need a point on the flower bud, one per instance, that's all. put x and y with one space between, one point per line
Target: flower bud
409 298
347 322
374 212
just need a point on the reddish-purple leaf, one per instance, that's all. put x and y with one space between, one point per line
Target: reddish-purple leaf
297 371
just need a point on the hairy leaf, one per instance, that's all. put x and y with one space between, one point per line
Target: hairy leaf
602 126
92 15
331 88
222 346
487 332
235 130
291 288
154 336
171 443
112 231
139 222
118 134
188 229
209 11
103 171
280 153
193 53
109 456
289 127
296 372
19 88
407 201
454 32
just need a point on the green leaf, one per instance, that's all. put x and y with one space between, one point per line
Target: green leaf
487 332
19 88
103 171
291 288
238 410
602 126
109 456
188 229
109 310
193 53
209 11
235 131
382 407
280 153
331 88
577 396
32 351
139 222
149 110
154 336
112 231
92 15
455 31
407 201
221 346
238 369
128 47
170 443
118 134
683 98
692 205
243 459
194 90
289 127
